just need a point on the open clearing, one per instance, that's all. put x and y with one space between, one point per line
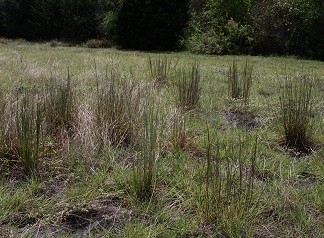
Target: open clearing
85 183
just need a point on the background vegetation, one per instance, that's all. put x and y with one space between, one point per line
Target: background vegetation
293 27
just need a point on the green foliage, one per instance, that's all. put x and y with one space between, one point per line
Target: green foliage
260 27
296 108
291 29
218 37
109 25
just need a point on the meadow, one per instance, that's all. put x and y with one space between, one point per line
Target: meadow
110 143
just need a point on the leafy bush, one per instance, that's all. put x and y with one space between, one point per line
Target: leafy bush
95 43
219 38
288 27
257 27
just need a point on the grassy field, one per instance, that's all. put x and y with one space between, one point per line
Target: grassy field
108 143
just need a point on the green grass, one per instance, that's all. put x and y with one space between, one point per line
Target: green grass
93 182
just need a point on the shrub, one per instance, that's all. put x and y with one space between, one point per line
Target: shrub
188 87
220 38
96 43
240 83
296 108
293 26
54 43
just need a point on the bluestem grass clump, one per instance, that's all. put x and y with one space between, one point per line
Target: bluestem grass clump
28 132
240 82
117 111
228 188
59 104
144 173
188 87
178 132
296 101
2 122
159 69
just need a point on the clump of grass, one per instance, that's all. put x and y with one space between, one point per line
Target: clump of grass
159 69
2 113
117 111
228 187
28 132
188 86
59 106
296 108
240 83
145 167
178 133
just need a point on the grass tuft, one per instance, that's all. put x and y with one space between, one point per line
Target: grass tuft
240 83
188 86
144 174
28 129
59 105
117 111
159 69
296 102
228 189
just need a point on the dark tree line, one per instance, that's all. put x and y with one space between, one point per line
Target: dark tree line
203 26
74 20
